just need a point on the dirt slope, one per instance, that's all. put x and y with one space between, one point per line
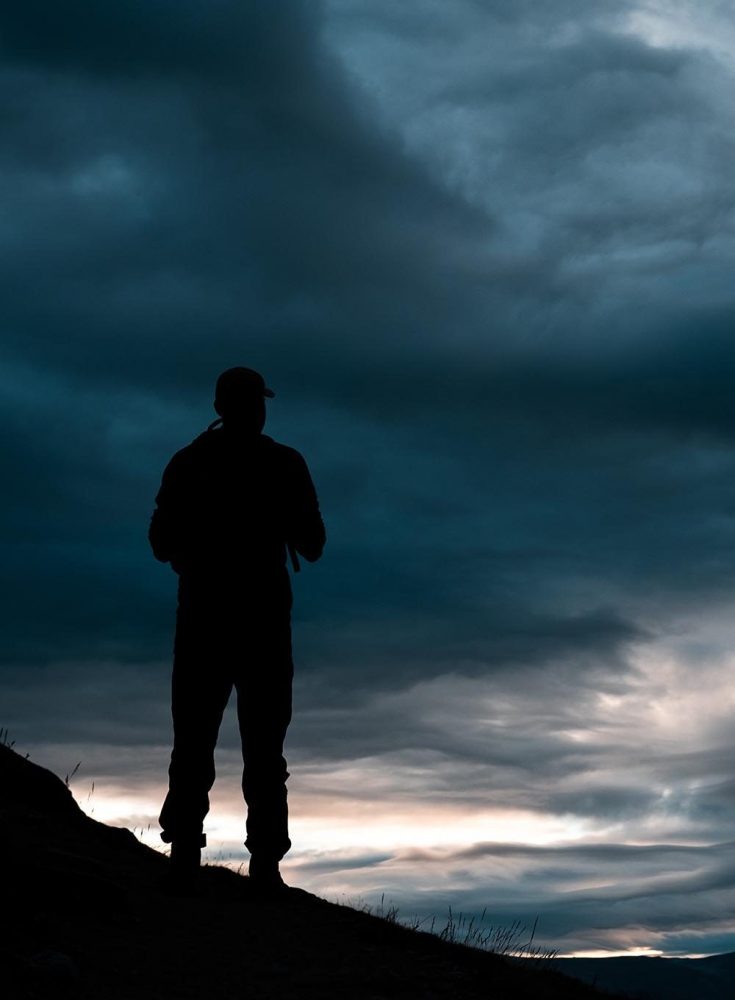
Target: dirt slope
84 915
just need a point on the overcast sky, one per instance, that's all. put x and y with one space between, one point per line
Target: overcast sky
483 252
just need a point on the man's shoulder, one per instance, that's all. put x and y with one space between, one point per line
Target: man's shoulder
283 452
192 448
211 445
188 456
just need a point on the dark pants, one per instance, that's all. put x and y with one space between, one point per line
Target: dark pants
231 640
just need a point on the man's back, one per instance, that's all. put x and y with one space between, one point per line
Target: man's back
230 504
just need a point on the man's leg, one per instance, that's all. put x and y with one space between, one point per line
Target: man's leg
264 712
199 693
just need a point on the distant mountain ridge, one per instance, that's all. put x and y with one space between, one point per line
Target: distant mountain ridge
710 978
84 916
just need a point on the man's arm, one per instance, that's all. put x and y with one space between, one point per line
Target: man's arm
164 530
305 528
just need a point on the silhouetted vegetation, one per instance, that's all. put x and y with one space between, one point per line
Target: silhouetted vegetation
85 915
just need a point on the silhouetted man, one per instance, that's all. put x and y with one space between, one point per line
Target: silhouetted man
231 504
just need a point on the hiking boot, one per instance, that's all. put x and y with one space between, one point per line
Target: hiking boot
264 875
186 857
182 876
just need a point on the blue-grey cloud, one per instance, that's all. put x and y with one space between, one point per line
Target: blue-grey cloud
484 256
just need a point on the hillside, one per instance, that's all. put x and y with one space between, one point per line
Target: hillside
84 915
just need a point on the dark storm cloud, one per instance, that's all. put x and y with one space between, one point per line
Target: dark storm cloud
345 864
483 253
165 37
610 892
594 896
172 210
147 224
159 225
261 206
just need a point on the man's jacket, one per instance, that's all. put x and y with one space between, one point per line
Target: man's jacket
230 504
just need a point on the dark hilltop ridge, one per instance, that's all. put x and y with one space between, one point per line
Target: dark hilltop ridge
84 915
644 978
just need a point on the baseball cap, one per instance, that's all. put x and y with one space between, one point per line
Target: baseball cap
241 382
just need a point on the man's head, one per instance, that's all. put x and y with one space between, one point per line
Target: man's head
240 399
